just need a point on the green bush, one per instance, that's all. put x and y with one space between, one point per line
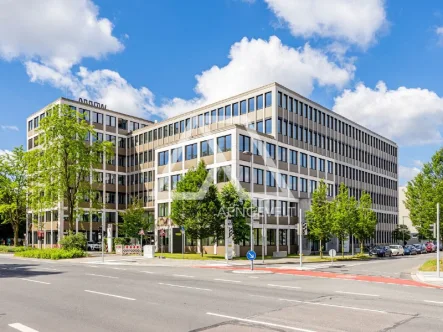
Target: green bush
121 241
12 249
51 253
74 241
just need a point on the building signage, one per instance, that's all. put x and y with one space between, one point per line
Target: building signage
91 103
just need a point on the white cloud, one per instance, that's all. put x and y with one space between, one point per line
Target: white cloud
57 33
252 63
409 116
104 86
354 21
8 128
257 62
4 152
406 174
439 32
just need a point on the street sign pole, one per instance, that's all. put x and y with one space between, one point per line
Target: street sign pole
438 240
300 234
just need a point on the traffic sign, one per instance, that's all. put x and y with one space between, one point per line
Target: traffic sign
332 253
251 255
142 232
162 233
182 229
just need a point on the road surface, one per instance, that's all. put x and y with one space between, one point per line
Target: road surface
60 296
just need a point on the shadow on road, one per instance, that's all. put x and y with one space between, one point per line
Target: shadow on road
24 271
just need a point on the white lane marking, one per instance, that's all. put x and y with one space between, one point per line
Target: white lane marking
147 272
182 276
180 286
22 328
100 275
335 306
119 268
429 301
362 294
227 280
253 277
112 295
283 286
253 321
40 282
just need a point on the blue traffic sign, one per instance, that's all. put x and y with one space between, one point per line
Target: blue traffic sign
251 255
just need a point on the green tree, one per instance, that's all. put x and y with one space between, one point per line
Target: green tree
366 222
134 220
74 241
195 205
344 214
422 195
13 188
237 204
60 169
401 233
319 216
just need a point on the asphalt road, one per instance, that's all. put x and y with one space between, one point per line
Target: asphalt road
61 296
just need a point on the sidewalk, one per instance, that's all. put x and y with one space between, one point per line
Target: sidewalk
429 278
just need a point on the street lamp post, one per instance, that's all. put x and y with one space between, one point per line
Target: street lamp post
248 153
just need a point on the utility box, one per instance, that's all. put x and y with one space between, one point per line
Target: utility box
148 251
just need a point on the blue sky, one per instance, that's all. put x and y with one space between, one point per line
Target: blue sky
159 58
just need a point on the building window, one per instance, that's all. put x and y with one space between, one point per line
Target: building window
224 143
110 197
97 117
268 126
258 176
182 126
270 149
290 103
206 148
235 109
244 174
213 116
282 181
271 233
258 147
200 121
313 186
303 160
280 99
163 183
303 185
163 209
163 158
207 119
321 165
293 182
223 174
174 181
110 121
270 179
243 109
227 112
244 143
221 114
251 104
260 126
268 99
191 151
313 163
293 157
259 102
176 155
282 154
330 167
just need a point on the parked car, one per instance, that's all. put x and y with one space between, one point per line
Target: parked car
397 250
90 245
381 251
410 250
430 247
98 246
421 248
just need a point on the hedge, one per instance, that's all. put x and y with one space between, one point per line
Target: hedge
51 253
12 249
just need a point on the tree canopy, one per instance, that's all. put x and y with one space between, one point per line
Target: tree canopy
60 167
195 205
134 220
13 189
366 221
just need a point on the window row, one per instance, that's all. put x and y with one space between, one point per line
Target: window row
365 177
293 105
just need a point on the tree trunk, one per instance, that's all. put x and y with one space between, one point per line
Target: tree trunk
321 250
15 229
361 247
201 247
343 247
